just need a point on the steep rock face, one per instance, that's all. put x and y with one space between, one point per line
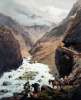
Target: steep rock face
50 38
64 62
19 32
73 33
10 55
71 47
68 56
61 28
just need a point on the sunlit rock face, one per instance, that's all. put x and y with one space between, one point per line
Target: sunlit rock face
10 55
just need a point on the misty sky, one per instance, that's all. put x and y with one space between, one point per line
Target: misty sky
30 12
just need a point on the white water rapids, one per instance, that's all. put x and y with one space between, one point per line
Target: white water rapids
37 71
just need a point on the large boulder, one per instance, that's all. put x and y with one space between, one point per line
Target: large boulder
64 62
10 55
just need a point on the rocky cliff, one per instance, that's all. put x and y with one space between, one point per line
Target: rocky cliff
68 57
19 32
71 48
10 54
50 41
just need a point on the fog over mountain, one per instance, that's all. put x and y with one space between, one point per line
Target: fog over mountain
40 12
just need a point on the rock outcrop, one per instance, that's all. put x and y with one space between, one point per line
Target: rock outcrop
68 59
64 62
20 33
50 38
72 36
10 54
72 43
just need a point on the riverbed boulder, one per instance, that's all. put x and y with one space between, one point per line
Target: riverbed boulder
10 54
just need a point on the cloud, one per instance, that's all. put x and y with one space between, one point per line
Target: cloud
30 12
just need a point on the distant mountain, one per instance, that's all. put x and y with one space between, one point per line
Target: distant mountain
60 29
44 49
37 31
26 35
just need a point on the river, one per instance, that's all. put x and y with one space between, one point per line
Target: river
13 81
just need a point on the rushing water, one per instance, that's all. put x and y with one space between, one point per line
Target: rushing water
34 72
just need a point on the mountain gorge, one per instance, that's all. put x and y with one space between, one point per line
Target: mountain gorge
44 49
26 35
67 85
41 61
